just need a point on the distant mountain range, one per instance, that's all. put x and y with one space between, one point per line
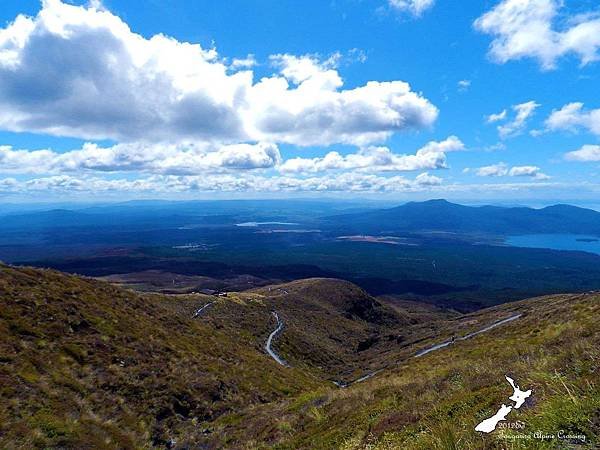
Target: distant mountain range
432 215
441 215
150 214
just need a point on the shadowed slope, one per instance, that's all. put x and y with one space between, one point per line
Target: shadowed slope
330 325
84 364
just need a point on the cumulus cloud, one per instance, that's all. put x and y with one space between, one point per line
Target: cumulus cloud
503 170
587 153
451 144
414 7
527 171
314 112
378 159
516 126
298 69
140 157
530 29
572 117
82 72
198 158
425 179
494 170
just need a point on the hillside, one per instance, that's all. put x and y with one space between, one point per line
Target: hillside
85 364
435 401
441 215
331 327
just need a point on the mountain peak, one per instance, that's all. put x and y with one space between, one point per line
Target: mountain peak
438 201
442 215
433 201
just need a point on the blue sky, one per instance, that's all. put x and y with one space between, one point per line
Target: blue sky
408 99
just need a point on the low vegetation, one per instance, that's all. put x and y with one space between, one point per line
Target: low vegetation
85 364
435 402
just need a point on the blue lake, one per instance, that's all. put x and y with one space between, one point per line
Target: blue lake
557 242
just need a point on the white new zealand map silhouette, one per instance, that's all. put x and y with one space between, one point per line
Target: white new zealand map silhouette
519 397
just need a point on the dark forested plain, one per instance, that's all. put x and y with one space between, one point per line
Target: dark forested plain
295 325
443 253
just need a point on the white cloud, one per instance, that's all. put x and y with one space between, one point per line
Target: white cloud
315 113
65 186
190 186
498 146
494 170
587 153
527 171
172 184
497 117
464 85
198 158
426 179
572 116
139 157
486 189
8 184
298 69
517 125
503 170
243 63
81 72
529 29
414 7
450 144
355 55
378 159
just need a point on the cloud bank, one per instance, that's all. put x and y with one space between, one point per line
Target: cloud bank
346 182
378 159
140 157
82 72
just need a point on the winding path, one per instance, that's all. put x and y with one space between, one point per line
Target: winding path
468 336
343 385
268 347
199 311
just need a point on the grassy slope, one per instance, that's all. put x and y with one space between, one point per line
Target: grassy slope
84 364
436 401
326 323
